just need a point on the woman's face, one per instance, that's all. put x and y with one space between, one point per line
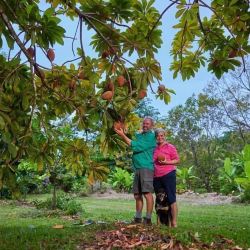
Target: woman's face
160 137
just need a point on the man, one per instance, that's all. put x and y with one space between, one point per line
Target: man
142 147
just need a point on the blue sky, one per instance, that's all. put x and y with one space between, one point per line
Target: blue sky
183 89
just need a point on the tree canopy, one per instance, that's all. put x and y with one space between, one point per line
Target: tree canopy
96 91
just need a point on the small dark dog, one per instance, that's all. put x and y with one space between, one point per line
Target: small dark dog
162 208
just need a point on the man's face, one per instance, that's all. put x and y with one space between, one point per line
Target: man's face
147 125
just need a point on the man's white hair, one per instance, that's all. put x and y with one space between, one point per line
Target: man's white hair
149 118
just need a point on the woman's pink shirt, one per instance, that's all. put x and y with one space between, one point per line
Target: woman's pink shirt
170 152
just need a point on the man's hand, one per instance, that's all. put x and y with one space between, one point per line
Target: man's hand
121 133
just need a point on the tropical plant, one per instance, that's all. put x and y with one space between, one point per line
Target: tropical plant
64 202
244 182
121 180
185 178
28 178
227 176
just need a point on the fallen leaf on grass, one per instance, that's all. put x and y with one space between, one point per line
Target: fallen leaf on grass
237 248
132 226
58 226
138 236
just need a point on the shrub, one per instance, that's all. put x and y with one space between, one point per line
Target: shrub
227 176
185 178
121 180
64 202
5 193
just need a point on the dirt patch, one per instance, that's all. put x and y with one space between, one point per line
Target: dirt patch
16 203
205 199
188 197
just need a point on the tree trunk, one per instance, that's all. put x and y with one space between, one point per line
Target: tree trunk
54 198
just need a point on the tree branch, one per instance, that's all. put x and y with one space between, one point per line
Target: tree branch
160 17
226 26
75 59
81 42
19 42
72 45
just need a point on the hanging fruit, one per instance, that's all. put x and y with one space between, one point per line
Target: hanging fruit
161 88
109 87
51 55
142 93
31 52
121 80
107 95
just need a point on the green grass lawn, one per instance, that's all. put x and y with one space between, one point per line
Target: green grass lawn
23 227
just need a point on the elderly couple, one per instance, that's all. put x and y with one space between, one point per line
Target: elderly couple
151 172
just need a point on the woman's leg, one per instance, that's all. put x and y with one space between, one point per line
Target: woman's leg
174 212
169 181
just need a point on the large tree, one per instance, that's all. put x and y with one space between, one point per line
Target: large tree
232 93
96 91
196 135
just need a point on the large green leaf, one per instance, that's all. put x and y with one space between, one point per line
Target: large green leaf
228 166
246 152
12 148
247 169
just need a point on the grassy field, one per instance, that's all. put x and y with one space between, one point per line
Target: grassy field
24 227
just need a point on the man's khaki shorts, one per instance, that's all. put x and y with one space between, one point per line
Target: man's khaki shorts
143 181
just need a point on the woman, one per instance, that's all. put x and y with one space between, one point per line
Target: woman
165 160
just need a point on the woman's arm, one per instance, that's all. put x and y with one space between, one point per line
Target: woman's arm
174 157
169 162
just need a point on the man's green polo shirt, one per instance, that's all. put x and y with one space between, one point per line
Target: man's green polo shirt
143 147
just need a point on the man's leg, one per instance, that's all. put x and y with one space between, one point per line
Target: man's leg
147 187
138 205
138 197
150 204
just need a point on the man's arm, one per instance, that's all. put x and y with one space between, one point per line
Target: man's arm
121 133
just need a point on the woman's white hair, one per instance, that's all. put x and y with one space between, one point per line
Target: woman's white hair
159 130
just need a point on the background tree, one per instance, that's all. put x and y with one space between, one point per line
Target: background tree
233 107
145 108
195 136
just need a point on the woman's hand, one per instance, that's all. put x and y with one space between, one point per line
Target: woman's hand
170 162
165 162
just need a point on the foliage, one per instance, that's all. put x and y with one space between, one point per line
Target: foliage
185 178
228 174
5 193
121 180
197 35
193 132
244 182
80 185
29 180
126 36
145 108
231 104
64 202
